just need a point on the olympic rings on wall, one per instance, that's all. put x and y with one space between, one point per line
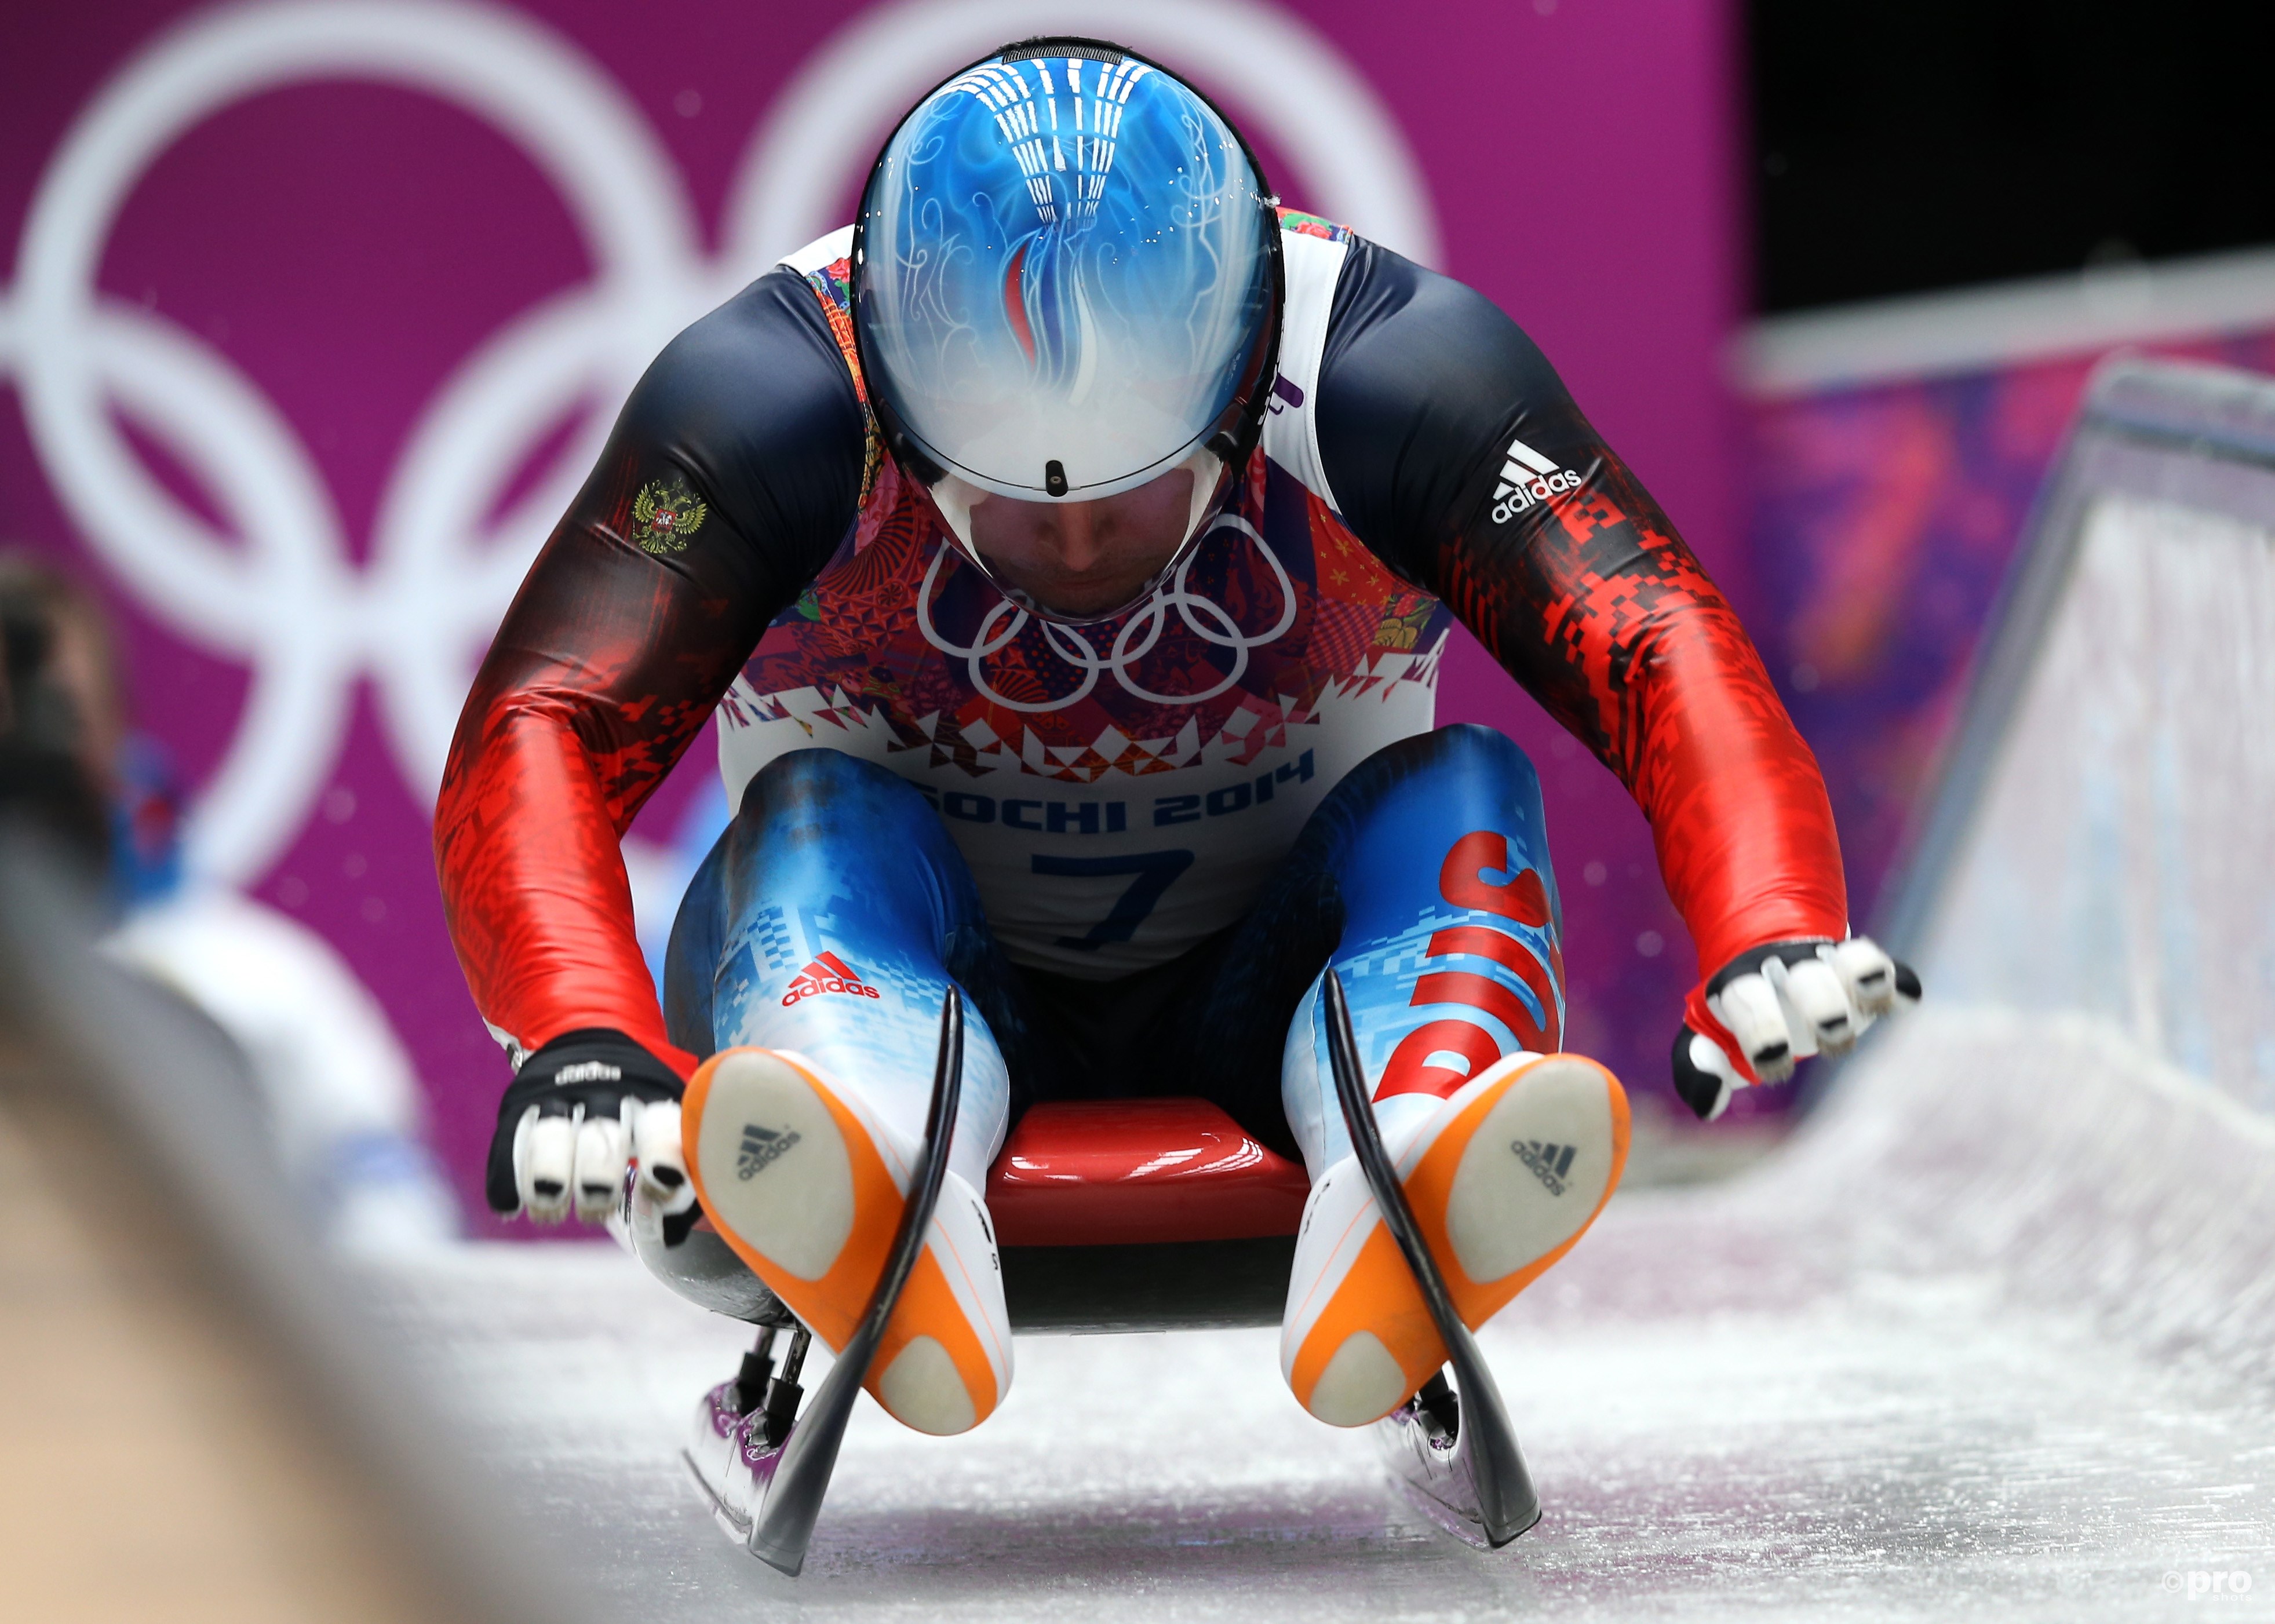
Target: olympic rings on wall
280 593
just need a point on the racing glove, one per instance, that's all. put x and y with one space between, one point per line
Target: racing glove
581 1111
1779 1003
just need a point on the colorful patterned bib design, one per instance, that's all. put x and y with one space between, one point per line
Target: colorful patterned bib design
1121 789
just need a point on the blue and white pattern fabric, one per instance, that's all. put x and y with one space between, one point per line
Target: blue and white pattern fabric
835 910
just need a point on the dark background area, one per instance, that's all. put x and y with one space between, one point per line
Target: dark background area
1903 148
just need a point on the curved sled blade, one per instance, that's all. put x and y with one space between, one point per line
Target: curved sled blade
784 1526
1422 1444
1482 1481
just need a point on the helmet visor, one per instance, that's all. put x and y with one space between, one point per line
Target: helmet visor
1066 281
1085 559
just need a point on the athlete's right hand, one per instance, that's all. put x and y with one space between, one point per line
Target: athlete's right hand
576 1114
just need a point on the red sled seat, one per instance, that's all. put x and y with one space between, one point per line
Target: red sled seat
1142 1215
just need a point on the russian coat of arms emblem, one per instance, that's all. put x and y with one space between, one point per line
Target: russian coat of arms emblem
666 513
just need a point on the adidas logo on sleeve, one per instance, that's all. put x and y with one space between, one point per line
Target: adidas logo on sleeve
826 974
1528 479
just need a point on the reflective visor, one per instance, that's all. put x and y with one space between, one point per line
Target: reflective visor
955 498
1066 282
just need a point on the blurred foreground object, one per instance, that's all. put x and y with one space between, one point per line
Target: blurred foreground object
59 704
342 1101
198 1422
342 1098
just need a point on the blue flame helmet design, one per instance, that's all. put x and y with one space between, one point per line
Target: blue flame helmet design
1066 283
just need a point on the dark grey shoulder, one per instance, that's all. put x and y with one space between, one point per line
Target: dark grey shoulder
755 402
1423 383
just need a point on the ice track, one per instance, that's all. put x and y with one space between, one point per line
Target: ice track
1804 1397
1995 1337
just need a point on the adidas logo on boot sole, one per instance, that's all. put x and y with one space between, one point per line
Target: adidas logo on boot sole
762 1148
818 1226
1550 1163
1357 1341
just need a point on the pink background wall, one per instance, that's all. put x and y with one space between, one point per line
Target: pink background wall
346 247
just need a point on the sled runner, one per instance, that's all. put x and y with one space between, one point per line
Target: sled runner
782 1524
1453 1453
1131 1215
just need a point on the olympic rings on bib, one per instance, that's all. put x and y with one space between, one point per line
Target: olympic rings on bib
1069 643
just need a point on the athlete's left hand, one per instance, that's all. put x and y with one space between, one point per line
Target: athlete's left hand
1779 1003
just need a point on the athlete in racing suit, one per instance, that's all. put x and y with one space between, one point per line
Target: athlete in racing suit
1135 842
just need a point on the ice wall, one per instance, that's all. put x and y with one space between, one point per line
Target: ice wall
2105 844
2084 1107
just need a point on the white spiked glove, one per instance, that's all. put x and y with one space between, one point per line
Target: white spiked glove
1780 1003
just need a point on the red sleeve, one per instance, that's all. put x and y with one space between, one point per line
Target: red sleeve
732 472
579 712
1610 622
1457 454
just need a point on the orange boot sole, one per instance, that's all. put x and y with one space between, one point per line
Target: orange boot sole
809 1191
1503 1182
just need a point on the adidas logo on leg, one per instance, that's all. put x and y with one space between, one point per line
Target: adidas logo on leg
826 974
1357 1341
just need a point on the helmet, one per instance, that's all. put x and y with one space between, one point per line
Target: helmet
1066 283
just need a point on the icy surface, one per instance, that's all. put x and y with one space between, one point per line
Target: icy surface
1858 1385
1995 1338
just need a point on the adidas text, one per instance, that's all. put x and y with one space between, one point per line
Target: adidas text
1528 479
826 974
760 1149
1550 1163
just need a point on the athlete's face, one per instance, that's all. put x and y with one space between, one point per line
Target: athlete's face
1085 557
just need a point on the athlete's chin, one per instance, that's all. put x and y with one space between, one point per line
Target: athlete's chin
1082 596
